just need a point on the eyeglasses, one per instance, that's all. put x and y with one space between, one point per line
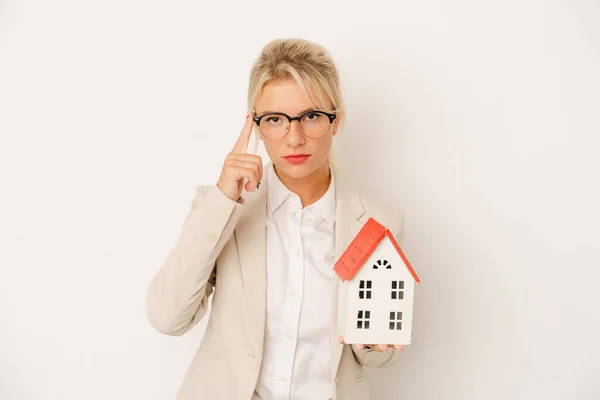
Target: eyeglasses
313 124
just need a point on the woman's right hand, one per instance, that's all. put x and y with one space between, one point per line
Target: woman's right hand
239 165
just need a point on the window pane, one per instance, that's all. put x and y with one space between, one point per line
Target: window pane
368 284
399 315
399 326
366 324
361 285
401 285
391 326
394 295
368 294
400 295
367 314
360 314
392 315
361 294
359 324
394 284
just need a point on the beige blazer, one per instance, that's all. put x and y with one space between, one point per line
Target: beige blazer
221 250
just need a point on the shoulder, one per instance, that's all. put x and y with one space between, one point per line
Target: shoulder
386 213
378 208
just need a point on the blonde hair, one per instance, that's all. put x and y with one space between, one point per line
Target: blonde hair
308 64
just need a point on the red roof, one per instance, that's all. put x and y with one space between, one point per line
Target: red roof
361 248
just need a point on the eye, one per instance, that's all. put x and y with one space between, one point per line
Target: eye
273 120
312 116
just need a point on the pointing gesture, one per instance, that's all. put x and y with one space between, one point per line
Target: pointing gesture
241 145
239 165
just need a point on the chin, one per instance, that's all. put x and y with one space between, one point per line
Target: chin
296 171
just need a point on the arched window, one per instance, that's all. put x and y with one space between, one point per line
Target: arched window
382 263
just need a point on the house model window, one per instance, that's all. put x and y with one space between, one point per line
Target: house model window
382 263
397 290
363 319
376 288
364 291
396 320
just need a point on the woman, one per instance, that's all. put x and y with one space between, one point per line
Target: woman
264 241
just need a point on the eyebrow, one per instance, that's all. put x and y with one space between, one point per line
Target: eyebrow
281 112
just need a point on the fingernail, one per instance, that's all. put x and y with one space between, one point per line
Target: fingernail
247 115
258 185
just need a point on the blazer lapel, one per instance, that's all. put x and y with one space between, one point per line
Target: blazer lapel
349 219
250 237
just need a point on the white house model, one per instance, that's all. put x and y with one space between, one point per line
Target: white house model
375 303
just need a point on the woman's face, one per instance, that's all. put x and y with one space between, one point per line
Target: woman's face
285 96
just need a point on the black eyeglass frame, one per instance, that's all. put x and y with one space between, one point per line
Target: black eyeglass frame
331 117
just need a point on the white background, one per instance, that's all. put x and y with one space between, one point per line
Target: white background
480 119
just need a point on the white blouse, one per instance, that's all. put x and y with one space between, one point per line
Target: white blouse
300 257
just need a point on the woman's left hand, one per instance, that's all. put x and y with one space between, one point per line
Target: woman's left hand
376 347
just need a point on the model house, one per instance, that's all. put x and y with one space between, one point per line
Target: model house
375 303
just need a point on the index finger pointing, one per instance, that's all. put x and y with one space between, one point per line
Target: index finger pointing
241 145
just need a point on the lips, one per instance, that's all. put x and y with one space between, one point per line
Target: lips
297 158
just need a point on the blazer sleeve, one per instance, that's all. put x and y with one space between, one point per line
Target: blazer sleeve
177 297
373 358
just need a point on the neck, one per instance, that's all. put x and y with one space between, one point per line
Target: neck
309 188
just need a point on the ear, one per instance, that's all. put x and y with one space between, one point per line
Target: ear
336 123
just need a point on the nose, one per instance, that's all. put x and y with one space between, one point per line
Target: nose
295 137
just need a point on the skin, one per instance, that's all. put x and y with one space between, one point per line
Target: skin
309 180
